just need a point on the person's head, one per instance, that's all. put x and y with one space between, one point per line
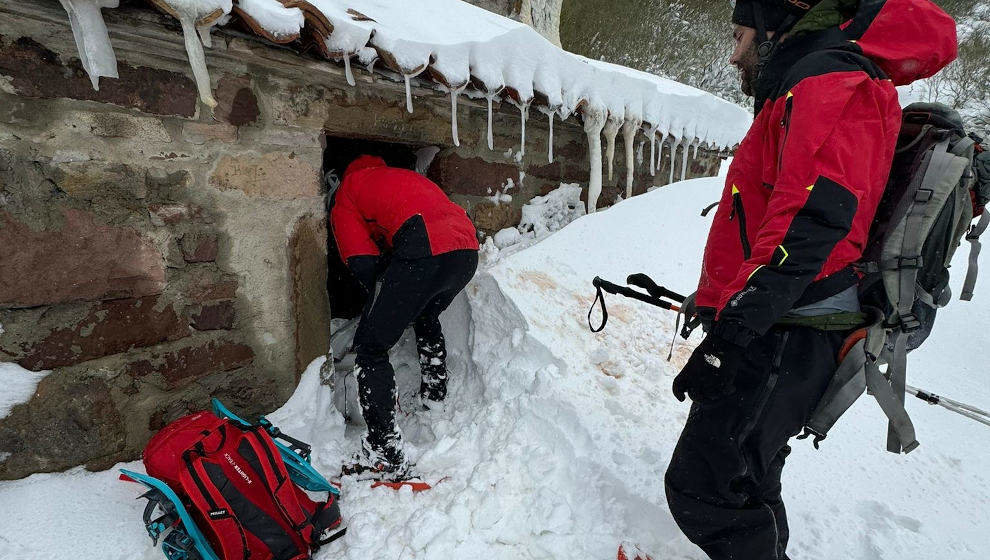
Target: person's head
745 58
364 162
748 16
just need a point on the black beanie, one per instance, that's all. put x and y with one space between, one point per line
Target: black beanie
774 11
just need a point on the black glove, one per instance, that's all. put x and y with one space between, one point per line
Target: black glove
711 371
365 270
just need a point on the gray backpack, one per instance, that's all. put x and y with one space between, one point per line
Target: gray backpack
926 210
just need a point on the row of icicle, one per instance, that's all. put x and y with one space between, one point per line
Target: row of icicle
596 122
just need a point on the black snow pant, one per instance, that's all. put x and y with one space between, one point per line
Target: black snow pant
723 482
412 291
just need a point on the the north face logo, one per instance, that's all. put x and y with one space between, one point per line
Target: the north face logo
713 360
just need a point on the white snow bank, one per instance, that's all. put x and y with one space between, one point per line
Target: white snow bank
555 440
18 385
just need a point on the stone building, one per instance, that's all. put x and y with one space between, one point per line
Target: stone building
155 252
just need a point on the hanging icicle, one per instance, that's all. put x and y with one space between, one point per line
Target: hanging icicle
694 152
594 122
550 142
611 131
348 73
197 59
523 114
684 156
204 35
92 41
659 161
491 135
653 149
453 113
409 106
673 153
629 129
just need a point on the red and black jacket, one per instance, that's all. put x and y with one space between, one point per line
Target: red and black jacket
379 207
805 182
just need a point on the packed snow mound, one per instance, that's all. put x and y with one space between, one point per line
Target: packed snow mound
554 440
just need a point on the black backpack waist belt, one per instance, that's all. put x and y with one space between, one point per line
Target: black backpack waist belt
845 321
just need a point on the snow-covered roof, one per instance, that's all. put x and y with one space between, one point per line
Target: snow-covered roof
459 46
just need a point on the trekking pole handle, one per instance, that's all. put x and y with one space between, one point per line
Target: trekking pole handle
641 280
611 288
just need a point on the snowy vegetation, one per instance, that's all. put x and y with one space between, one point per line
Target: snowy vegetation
690 42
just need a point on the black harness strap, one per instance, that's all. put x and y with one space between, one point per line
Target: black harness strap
599 297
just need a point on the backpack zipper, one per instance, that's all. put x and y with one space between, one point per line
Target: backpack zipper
786 124
738 210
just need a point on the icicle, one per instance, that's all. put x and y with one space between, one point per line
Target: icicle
550 143
197 59
628 136
92 40
594 122
523 113
659 153
653 149
371 69
611 131
491 135
684 160
409 106
694 152
453 115
204 35
673 152
349 73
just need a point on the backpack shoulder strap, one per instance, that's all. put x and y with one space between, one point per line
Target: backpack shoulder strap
975 247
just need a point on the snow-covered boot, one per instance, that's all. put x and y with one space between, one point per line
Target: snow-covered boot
433 365
380 462
433 388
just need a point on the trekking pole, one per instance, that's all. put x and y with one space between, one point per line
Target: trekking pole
964 409
602 285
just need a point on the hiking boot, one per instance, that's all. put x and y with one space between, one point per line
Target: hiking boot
433 387
386 462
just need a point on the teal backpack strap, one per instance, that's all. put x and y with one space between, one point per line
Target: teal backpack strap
975 247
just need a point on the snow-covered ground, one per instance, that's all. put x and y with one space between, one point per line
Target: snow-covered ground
555 440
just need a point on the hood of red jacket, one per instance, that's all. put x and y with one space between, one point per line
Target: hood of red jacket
909 39
364 162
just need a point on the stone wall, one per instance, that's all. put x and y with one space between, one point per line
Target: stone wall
154 254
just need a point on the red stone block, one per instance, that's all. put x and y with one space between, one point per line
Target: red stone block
178 367
82 261
36 71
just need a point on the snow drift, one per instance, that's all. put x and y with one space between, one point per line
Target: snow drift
555 440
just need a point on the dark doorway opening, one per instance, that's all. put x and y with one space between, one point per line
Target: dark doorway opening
346 297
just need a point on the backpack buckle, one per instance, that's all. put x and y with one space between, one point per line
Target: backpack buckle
923 195
910 323
910 262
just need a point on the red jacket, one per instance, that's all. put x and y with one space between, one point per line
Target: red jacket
396 209
805 182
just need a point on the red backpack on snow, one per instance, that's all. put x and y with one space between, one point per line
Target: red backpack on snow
220 489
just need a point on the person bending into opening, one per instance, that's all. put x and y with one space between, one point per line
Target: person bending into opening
397 226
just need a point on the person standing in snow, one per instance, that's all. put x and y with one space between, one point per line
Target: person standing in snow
795 214
396 226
